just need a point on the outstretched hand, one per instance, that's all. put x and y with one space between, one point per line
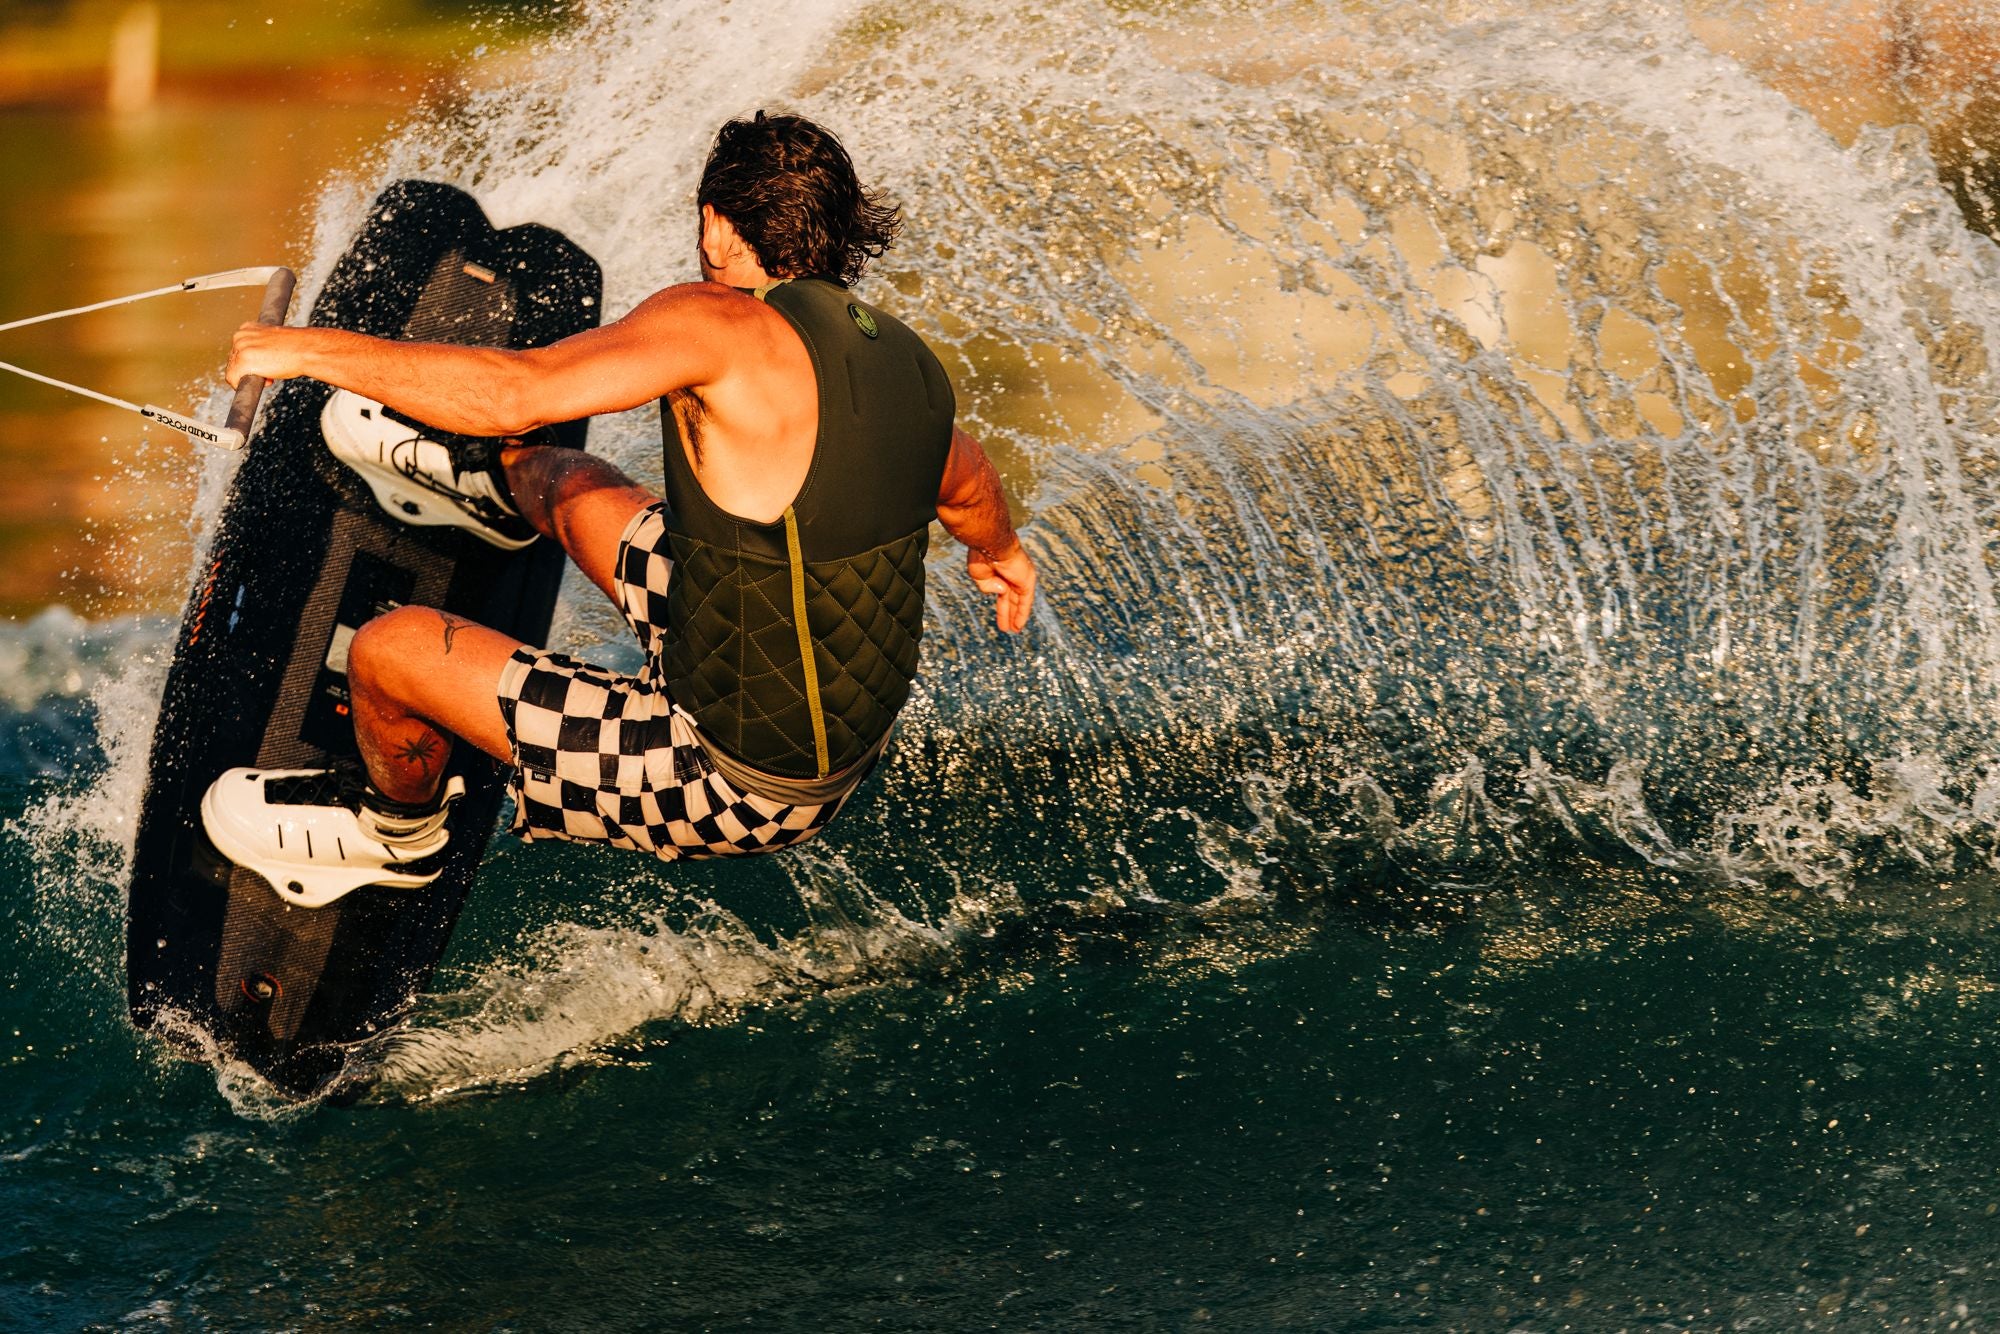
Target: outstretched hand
1011 579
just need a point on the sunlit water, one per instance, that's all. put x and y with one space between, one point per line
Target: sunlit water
95 510
1492 826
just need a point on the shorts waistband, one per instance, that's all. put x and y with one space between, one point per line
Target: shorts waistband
793 791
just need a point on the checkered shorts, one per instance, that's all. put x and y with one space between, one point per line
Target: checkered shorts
600 757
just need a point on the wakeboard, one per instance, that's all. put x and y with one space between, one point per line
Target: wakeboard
303 555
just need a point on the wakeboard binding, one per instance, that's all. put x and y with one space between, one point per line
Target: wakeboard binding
316 837
423 476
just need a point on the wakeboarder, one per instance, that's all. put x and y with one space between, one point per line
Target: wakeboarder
777 588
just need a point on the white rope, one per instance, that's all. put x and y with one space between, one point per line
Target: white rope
73 388
206 283
225 436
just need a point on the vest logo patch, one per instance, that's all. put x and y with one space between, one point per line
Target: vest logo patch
863 320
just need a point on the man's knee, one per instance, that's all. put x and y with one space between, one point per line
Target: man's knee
385 647
582 502
434 665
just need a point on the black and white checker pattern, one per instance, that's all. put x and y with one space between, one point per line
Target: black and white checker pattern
606 758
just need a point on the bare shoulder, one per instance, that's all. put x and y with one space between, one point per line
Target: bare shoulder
699 306
689 336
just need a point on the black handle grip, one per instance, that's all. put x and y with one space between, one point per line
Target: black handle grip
277 304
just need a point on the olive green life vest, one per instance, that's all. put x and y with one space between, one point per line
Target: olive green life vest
794 643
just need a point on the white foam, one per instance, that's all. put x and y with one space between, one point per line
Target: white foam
566 994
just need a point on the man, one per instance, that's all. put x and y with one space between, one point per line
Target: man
777 589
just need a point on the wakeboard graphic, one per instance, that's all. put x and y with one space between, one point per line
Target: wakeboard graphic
305 552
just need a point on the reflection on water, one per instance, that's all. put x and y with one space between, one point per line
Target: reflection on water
95 510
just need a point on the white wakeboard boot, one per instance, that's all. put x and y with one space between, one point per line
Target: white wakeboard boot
422 476
320 834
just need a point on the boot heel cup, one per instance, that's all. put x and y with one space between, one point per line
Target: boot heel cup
398 822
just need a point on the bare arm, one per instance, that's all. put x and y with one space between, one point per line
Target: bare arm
972 505
676 339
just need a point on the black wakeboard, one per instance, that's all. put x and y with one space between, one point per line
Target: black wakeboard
303 555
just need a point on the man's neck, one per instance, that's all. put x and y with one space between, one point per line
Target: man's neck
742 273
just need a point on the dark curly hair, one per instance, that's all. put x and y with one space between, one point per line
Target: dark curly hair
791 192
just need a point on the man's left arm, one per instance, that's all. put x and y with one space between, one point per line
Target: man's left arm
972 505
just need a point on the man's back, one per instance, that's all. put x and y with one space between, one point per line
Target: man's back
793 642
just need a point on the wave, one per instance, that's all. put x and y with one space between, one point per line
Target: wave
52 667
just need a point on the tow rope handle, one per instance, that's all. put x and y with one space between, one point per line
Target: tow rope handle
250 389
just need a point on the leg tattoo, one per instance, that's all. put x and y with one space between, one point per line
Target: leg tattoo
421 750
452 625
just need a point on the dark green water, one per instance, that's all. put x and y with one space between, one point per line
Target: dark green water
1577 1105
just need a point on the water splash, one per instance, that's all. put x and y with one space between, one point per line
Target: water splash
1653 461
1460 439
557 1000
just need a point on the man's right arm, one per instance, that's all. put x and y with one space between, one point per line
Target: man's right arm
680 338
972 505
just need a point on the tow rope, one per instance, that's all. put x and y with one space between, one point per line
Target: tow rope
277 283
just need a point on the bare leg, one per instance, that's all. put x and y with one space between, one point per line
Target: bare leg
420 676
582 502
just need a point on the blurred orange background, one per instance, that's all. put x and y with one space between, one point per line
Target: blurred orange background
149 142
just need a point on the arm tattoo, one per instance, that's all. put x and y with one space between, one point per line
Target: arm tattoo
452 625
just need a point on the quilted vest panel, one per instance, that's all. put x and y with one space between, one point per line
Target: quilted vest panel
732 656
